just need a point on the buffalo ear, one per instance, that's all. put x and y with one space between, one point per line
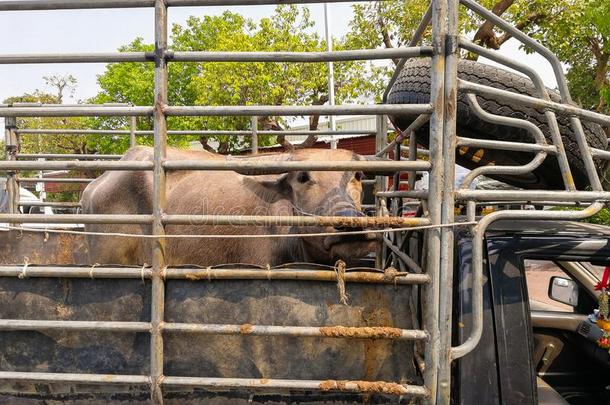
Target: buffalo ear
270 190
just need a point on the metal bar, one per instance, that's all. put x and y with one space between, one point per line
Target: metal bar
538 195
185 132
254 129
433 236
599 153
198 274
381 182
415 125
159 203
478 256
419 194
417 35
408 261
52 180
75 165
448 204
97 57
68 156
11 145
506 145
25 5
304 57
262 166
306 385
479 89
289 110
38 325
61 110
74 378
76 219
366 332
52 204
133 126
261 220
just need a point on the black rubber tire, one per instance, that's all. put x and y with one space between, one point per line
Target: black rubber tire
413 86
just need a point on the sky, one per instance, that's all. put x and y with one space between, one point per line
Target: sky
106 30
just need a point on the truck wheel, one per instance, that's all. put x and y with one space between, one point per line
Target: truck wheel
413 86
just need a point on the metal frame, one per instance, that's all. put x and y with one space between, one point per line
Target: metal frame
433 276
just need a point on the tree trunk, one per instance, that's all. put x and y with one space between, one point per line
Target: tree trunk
485 35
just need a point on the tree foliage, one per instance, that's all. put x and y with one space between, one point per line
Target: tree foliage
228 83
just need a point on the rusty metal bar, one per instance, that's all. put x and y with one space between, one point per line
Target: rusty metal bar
446 267
254 131
289 220
364 332
435 192
308 385
198 274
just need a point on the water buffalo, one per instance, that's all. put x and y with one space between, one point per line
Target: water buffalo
229 193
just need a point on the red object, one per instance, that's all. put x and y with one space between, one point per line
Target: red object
602 285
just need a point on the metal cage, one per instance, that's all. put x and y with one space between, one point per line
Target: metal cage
438 223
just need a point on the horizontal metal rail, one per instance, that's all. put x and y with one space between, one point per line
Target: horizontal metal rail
76 165
210 132
365 332
332 56
275 57
52 204
235 220
198 274
52 180
67 156
260 166
307 385
109 326
236 164
482 90
537 195
75 378
506 145
260 110
47 5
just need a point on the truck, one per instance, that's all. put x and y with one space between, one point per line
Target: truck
507 307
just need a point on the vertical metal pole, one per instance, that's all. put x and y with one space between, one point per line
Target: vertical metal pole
132 132
412 156
381 139
433 236
254 127
331 78
12 187
448 205
159 202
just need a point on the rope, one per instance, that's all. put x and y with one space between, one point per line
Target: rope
24 270
233 236
340 268
91 270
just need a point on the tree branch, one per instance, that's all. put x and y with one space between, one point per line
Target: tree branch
521 25
485 34
385 35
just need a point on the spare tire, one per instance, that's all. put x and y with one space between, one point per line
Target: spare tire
413 86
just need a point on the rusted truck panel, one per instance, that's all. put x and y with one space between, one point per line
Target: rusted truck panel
201 301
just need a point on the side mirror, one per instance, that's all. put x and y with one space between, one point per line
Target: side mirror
563 290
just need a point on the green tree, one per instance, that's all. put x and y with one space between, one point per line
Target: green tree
289 29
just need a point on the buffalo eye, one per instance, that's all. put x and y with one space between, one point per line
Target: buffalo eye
303 177
359 176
